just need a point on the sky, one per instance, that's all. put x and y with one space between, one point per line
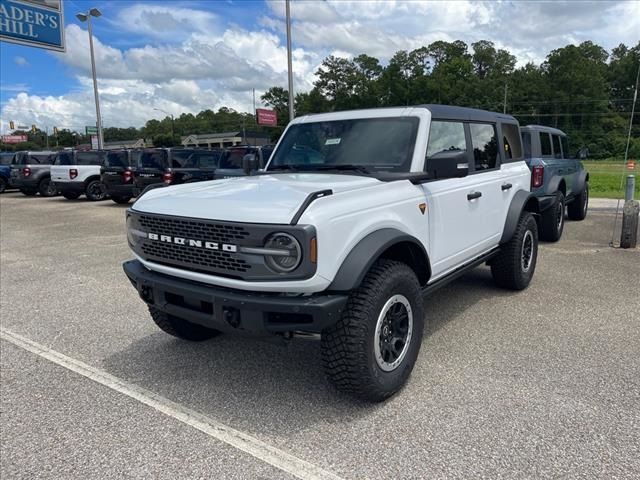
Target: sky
187 56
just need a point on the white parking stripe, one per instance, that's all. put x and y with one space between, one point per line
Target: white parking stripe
248 444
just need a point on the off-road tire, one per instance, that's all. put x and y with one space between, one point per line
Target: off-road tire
348 347
507 267
552 220
94 193
3 185
71 195
45 189
578 208
121 200
180 328
28 192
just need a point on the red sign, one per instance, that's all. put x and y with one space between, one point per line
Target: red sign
14 138
267 117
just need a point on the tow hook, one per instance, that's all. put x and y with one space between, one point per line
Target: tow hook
232 316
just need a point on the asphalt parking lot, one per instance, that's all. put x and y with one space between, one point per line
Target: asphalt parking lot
543 383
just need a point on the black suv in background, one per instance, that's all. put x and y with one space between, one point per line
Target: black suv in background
117 174
158 166
31 173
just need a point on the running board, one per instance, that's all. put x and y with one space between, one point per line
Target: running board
458 272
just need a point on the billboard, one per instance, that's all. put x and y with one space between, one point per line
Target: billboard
13 138
267 117
35 23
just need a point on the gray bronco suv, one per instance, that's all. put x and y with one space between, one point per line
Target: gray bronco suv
558 178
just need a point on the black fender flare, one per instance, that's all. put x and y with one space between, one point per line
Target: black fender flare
360 259
90 179
581 180
521 201
554 185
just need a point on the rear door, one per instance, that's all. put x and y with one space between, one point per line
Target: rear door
455 206
150 166
572 166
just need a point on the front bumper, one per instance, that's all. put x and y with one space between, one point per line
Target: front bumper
235 311
69 187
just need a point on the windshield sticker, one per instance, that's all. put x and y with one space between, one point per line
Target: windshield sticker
332 141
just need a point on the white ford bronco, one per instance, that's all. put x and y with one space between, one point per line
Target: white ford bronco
357 216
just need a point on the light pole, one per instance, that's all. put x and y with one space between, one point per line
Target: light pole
289 66
173 130
86 17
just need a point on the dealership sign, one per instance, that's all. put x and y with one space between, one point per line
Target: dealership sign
14 138
36 23
267 117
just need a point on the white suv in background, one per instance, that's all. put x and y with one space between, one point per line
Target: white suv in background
76 173
357 217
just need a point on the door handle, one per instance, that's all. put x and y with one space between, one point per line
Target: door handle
506 186
473 195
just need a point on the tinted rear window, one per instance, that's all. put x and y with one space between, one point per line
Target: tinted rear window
184 159
154 159
511 141
90 158
5 159
116 159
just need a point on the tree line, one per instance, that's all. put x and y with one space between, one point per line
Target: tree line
581 89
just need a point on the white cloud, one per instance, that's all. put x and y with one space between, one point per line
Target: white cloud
20 61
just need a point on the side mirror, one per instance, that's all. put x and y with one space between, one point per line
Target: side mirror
249 162
583 153
448 164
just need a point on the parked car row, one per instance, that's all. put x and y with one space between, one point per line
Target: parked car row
123 174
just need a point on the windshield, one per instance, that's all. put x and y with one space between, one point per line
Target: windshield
371 144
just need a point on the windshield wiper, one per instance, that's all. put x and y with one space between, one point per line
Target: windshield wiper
283 167
343 166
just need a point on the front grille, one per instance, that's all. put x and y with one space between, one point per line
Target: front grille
200 259
212 232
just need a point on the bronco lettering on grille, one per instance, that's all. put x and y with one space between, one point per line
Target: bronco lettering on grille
192 243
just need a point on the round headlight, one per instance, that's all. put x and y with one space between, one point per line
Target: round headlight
288 255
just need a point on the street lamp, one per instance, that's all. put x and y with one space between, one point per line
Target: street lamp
173 133
86 17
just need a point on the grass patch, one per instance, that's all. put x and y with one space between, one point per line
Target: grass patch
605 177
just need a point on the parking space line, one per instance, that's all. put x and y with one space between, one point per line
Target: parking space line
240 440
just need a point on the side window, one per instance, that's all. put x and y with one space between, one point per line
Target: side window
565 147
557 153
35 159
186 159
545 144
446 137
209 160
485 146
526 144
511 141
153 160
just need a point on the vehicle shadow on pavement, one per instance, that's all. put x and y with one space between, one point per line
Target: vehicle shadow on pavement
256 384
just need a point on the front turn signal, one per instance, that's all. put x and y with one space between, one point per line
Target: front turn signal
313 250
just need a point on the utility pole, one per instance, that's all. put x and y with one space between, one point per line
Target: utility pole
504 107
289 63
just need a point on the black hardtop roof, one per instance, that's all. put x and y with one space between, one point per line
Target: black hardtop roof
543 128
450 112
